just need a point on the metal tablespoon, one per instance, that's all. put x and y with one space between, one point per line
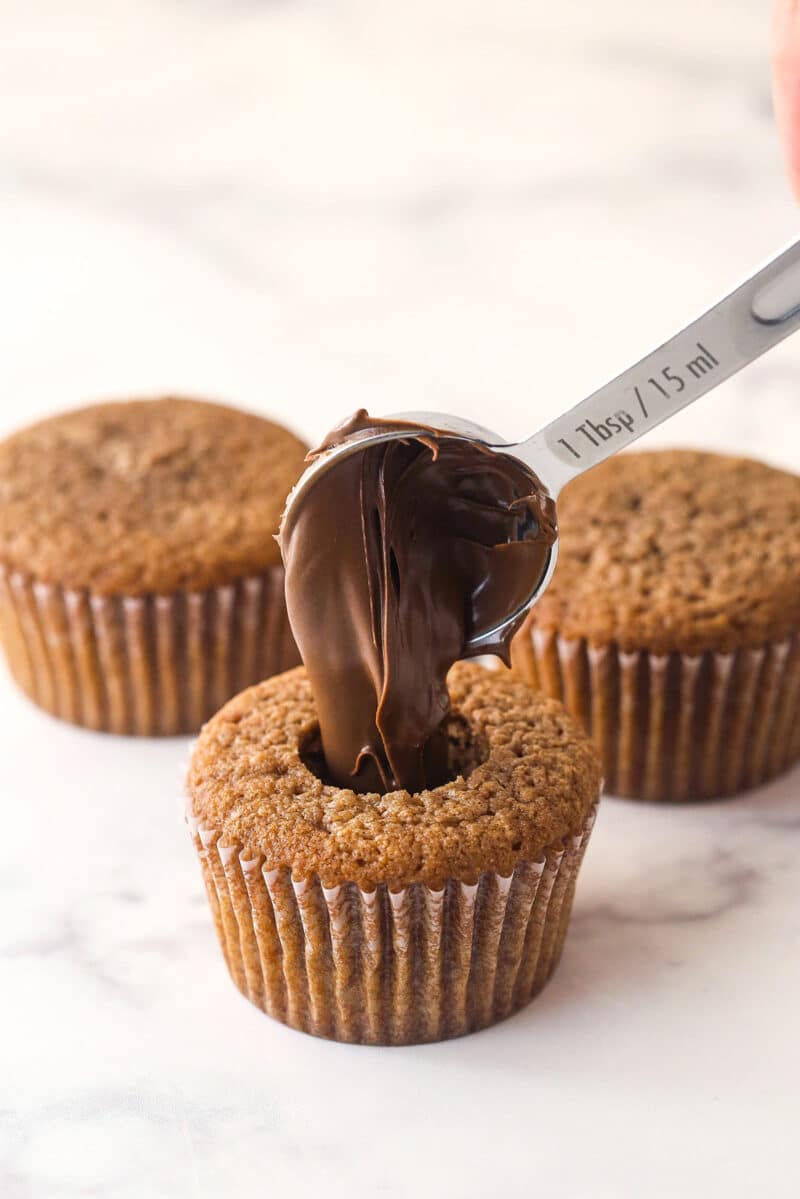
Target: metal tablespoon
753 318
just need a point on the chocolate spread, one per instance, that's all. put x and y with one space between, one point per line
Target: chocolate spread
396 557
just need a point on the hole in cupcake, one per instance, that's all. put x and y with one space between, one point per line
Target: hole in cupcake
465 750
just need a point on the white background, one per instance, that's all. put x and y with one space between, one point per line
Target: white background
303 207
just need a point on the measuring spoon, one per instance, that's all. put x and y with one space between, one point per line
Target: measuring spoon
753 318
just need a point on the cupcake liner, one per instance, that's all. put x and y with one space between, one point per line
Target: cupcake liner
151 664
674 726
389 967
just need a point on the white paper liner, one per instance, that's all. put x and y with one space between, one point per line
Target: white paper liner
149 665
674 726
389 967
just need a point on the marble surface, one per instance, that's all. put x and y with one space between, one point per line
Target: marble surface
304 207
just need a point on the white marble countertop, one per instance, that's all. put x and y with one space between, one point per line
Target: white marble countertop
305 207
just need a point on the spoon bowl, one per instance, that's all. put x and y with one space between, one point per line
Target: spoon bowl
431 425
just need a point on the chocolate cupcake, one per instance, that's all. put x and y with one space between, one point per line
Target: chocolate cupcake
140 584
401 917
671 628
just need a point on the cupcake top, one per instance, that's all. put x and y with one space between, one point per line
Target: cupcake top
145 496
535 780
677 550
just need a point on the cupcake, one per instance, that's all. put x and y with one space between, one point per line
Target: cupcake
140 584
671 628
392 918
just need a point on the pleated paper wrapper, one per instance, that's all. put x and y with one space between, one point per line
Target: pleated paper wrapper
145 664
674 726
389 967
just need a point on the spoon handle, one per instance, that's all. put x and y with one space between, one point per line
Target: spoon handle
761 312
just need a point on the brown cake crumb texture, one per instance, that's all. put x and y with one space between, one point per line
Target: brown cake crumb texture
535 787
145 496
679 551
